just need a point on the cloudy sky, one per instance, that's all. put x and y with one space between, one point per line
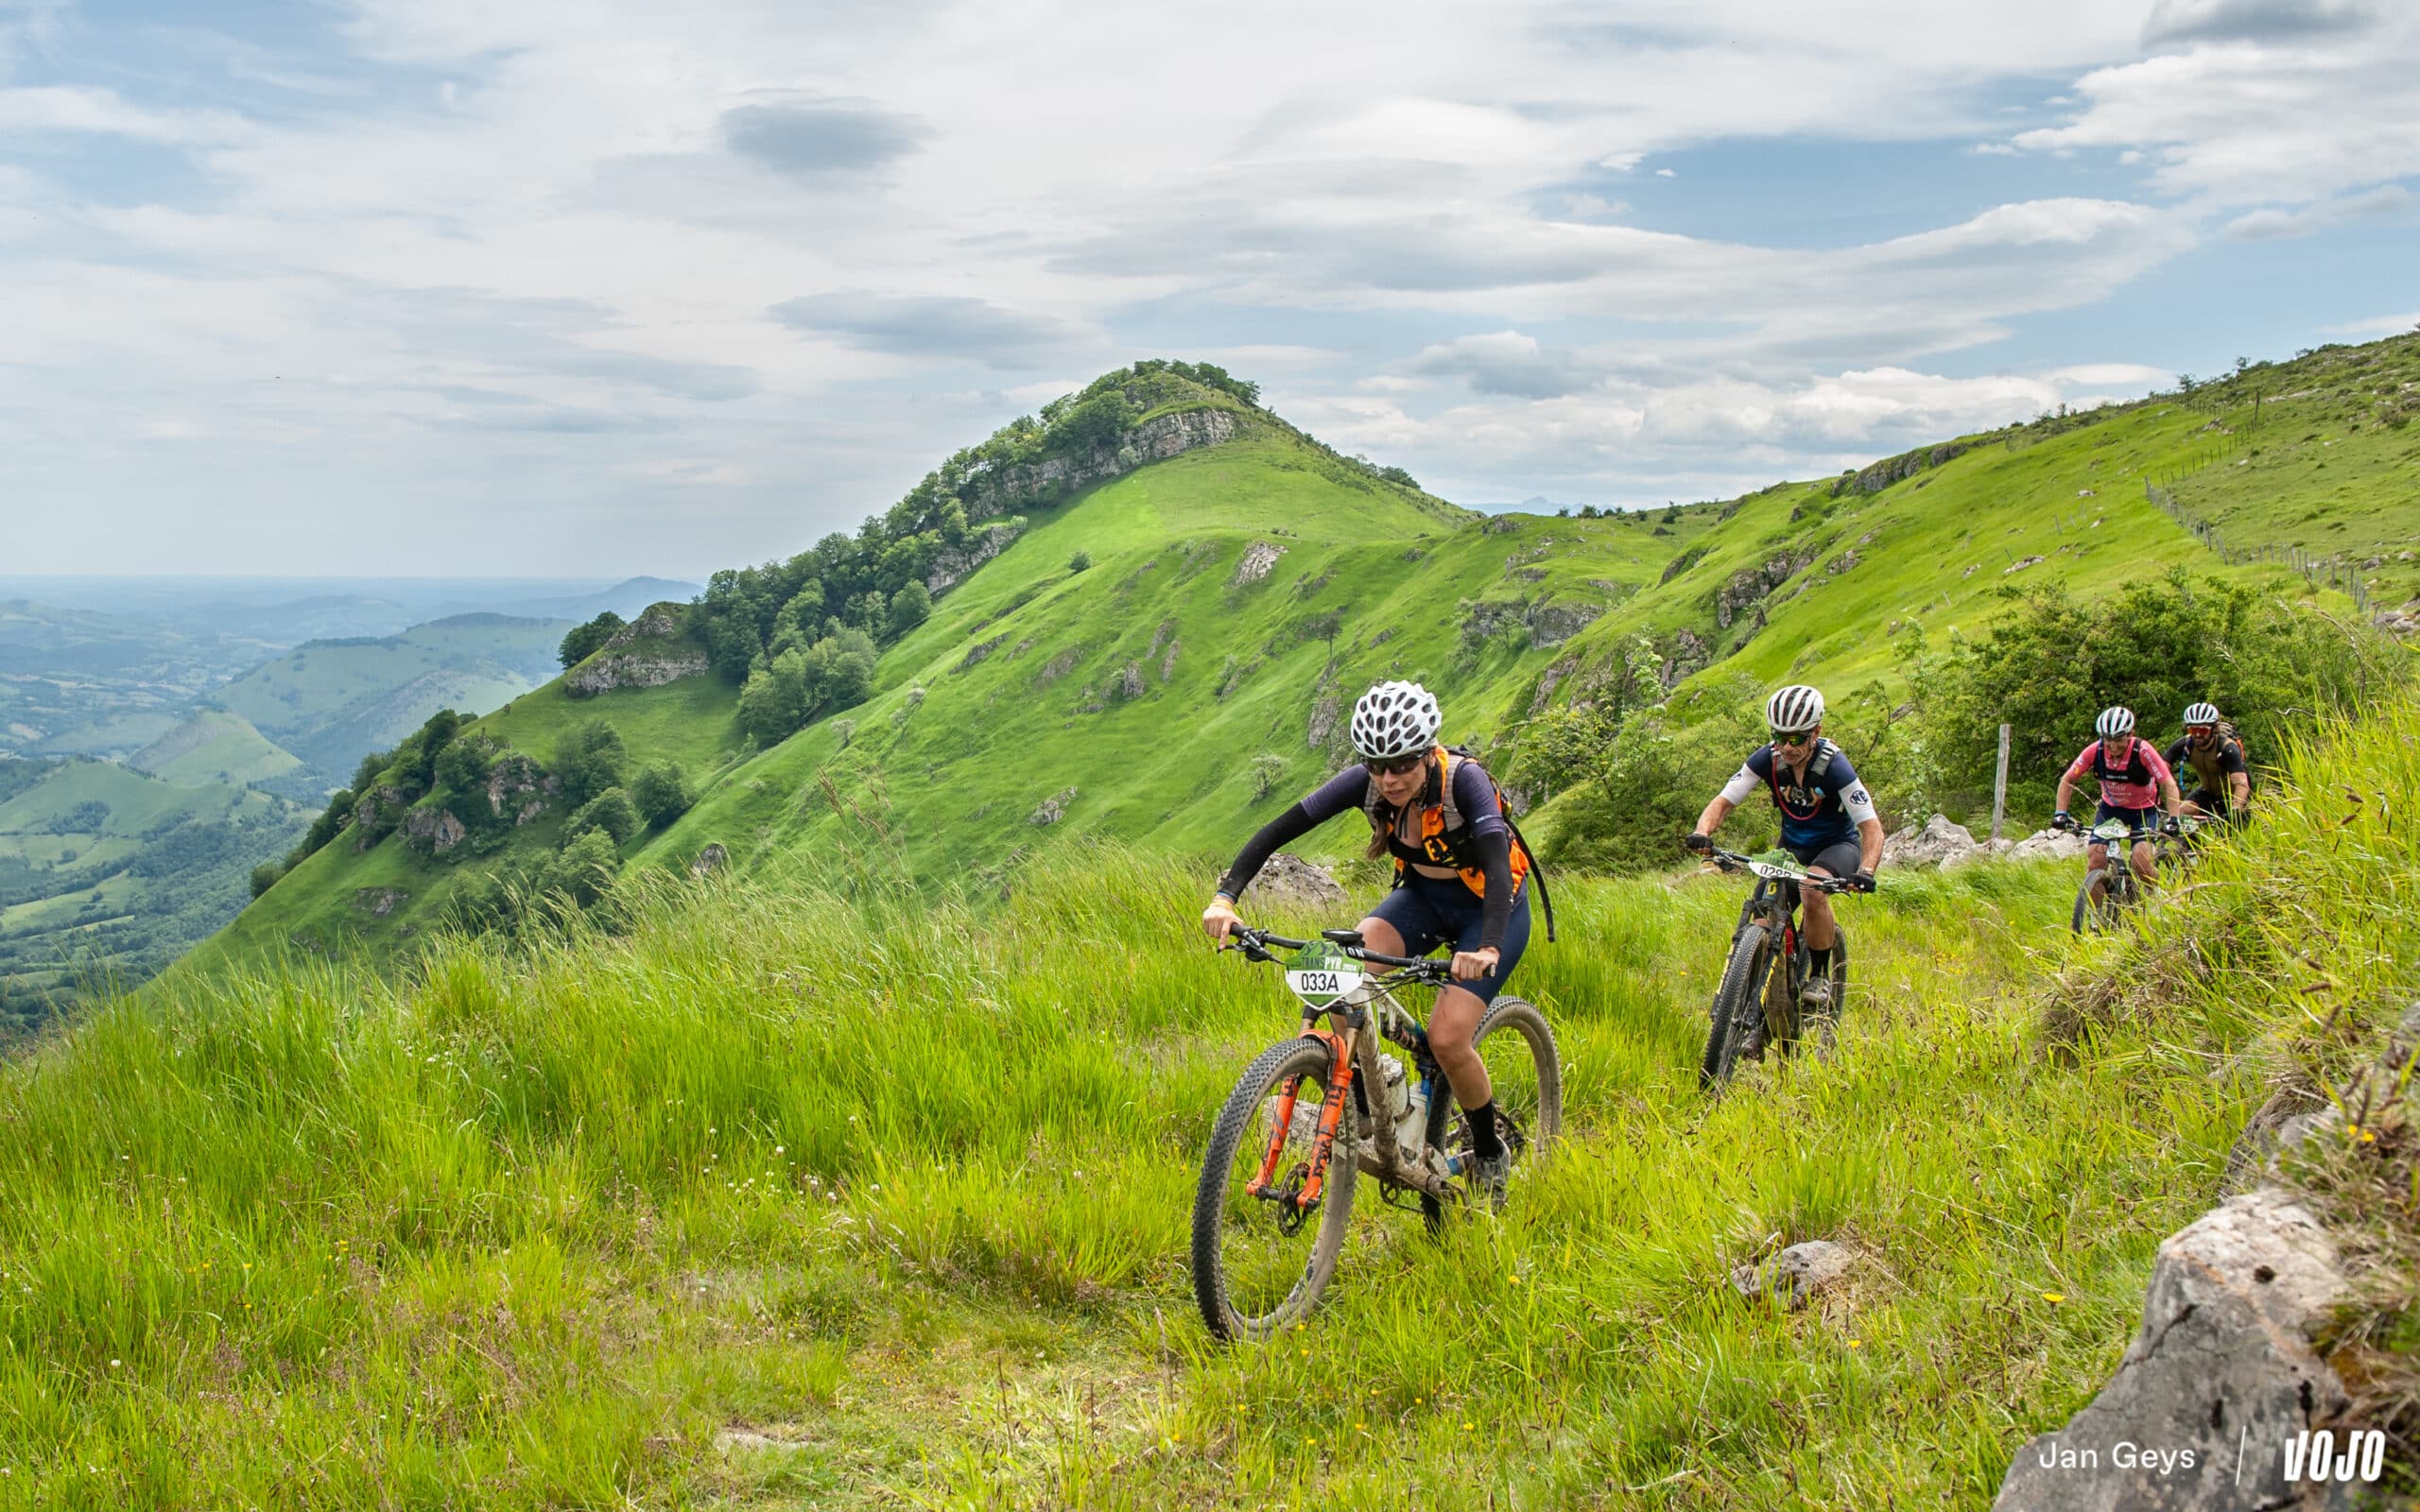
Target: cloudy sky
437 287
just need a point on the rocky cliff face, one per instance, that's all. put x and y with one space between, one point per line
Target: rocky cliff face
1891 468
1016 487
645 653
1747 588
952 566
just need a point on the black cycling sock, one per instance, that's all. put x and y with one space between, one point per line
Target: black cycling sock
1484 1142
1819 962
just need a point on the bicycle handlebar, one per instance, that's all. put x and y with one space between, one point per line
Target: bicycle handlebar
1733 861
1254 945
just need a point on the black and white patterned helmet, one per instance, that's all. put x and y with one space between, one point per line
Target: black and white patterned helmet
2201 714
1396 719
1795 707
2114 721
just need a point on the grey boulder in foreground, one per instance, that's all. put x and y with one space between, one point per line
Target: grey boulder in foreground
2217 1385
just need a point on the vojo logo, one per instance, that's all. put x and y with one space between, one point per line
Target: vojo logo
1321 974
2318 1456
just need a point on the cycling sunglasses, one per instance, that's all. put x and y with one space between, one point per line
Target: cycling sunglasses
1785 737
1399 766
2201 729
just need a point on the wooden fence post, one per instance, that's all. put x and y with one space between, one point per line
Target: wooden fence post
1999 786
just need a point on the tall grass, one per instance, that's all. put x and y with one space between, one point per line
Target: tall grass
783 1197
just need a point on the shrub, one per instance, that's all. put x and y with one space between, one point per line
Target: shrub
2048 666
661 794
1080 562
584 640
588 760
611 812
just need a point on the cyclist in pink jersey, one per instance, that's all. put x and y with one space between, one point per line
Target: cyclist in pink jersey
2135 786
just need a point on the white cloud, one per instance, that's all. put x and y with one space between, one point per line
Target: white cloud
495 265
2384 202
2274 103
2383 325
2110 375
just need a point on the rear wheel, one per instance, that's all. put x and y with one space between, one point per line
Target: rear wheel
1514 1041
1827 1027
1260 1263
1734 999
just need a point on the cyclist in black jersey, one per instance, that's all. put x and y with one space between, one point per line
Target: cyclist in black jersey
1827 819
1460 875
2216 757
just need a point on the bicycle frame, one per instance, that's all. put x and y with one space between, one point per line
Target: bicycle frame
1775 901
2118 839
1354 1058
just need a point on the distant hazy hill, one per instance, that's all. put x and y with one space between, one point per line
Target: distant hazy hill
108 873
331 701
213 746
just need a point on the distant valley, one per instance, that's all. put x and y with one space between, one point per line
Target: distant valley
160 740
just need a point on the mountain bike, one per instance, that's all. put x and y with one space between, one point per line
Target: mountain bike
1313 1113
1768 969
2115 883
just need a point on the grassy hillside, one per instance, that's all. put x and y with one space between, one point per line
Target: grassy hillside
783 1198
213 746
107 874
1120 671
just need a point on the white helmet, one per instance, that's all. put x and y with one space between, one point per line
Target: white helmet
2114 721
2201 714
1795 707
1396 719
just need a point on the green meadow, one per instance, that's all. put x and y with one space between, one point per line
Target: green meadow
773 1197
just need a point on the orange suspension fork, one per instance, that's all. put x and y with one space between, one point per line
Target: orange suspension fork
1331 1112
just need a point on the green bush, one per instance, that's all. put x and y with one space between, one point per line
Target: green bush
661 793
2048 667
588 760
584 640
611 811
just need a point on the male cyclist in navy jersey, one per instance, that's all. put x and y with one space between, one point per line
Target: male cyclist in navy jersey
1827 819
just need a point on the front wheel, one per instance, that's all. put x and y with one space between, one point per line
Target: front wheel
2097 904
1514 1041
1260 1263
1735 1001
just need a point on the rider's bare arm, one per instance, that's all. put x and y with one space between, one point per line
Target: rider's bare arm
1869 843
1714 812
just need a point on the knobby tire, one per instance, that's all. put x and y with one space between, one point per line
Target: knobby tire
1741 975
1530 1132
2092 917
1239 1125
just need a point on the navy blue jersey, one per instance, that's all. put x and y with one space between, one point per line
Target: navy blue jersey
1817 808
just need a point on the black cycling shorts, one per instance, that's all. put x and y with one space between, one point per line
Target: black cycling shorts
1839 857
2140 818
1432 911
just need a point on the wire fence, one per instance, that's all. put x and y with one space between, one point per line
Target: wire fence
2339 572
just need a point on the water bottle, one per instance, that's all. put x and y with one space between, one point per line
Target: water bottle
1411 1127
1391 1084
